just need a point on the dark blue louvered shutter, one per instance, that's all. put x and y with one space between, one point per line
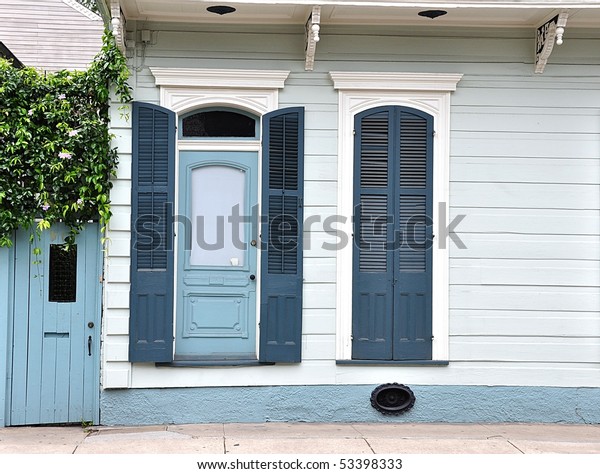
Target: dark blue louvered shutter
392 267
281 236
372 295
151 294
413 260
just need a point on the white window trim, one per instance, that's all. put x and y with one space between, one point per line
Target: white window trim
430 93
183 90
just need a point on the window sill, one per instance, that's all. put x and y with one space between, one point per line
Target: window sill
439 363
213 363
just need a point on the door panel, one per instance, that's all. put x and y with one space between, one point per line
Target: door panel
55 360
216 269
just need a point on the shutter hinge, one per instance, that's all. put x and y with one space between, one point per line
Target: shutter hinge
353 132
432 337
433 133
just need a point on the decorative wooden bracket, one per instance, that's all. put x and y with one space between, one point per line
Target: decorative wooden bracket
312 37
117 22
549 33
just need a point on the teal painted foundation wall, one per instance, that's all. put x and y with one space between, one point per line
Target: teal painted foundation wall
348 403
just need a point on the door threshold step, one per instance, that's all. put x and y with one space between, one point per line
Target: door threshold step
212 363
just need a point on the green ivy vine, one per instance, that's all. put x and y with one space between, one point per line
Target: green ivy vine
56 159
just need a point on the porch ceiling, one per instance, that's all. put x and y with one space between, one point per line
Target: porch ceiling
524 13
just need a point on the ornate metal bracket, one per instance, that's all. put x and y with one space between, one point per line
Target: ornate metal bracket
547 35
312 37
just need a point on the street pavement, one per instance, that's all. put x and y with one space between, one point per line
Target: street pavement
305 438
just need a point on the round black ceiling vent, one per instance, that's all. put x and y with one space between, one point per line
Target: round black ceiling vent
432 13
392 398
221 9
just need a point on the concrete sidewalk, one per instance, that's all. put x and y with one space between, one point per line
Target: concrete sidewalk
306 438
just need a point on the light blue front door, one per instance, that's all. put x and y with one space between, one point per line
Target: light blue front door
55 330
217 256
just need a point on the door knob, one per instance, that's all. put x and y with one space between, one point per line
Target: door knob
252 277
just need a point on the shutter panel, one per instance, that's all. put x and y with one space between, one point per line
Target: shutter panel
372 295
281 236
152 264
413 260
392 262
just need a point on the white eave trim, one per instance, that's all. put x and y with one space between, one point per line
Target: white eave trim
431 4
220 78
394 81
83 10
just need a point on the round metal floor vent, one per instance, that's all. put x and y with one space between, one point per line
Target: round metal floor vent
392 398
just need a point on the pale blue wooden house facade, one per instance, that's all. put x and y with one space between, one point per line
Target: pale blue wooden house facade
403 201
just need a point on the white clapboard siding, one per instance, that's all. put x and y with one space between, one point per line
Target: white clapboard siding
320 244
320 167
544 145
116 323
318 347
479 373
319 142
514 119
117 297
320 193
520 298
121 218
531 246
116 349
314 217
118 244
318 295
49 34
121 193
580 273
319 270
525 195
518 349
482 322
524 171
116 374
310 372
526 221
326 372
318 321
118 271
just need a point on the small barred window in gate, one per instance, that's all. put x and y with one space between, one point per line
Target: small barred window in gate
63 273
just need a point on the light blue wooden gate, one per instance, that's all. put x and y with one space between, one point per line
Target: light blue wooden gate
55 329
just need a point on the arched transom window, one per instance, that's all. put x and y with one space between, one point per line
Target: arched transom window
218 123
